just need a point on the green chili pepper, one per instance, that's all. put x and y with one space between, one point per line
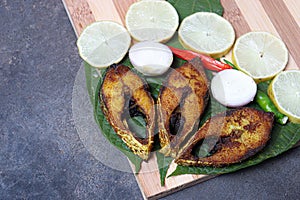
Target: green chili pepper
230 63
267 105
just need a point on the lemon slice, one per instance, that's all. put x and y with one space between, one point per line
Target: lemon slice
284 91
103 43
261 55
154 20
206 33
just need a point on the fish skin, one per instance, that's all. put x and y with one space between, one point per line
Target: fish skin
188 88
120 83
239 133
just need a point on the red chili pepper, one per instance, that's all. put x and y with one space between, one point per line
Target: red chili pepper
208 62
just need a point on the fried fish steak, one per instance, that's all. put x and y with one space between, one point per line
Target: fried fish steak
124 95
181 101
232 137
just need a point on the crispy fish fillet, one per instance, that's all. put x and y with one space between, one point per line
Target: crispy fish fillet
181 102
232 137
123 95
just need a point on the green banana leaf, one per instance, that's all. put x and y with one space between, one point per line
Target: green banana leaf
187 7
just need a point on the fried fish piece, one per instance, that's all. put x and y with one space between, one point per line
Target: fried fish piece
181 101
124 95
231 137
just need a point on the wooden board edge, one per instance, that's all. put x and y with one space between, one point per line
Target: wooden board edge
171 190
166 192
180 187
79 13
70 17
137 181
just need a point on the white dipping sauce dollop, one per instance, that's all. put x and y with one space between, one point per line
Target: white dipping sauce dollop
233 88
151 58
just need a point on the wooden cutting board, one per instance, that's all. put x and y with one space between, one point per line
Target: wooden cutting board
279 17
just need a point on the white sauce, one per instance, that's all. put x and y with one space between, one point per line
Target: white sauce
151 58
233 88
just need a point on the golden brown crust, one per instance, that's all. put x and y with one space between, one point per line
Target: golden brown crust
120 87
184 95
233 136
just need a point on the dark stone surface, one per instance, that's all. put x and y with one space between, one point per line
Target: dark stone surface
41 155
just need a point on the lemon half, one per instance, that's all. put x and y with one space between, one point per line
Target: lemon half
261 55
103 43
207 33
284 91
154 20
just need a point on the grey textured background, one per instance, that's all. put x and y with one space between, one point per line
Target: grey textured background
41 155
